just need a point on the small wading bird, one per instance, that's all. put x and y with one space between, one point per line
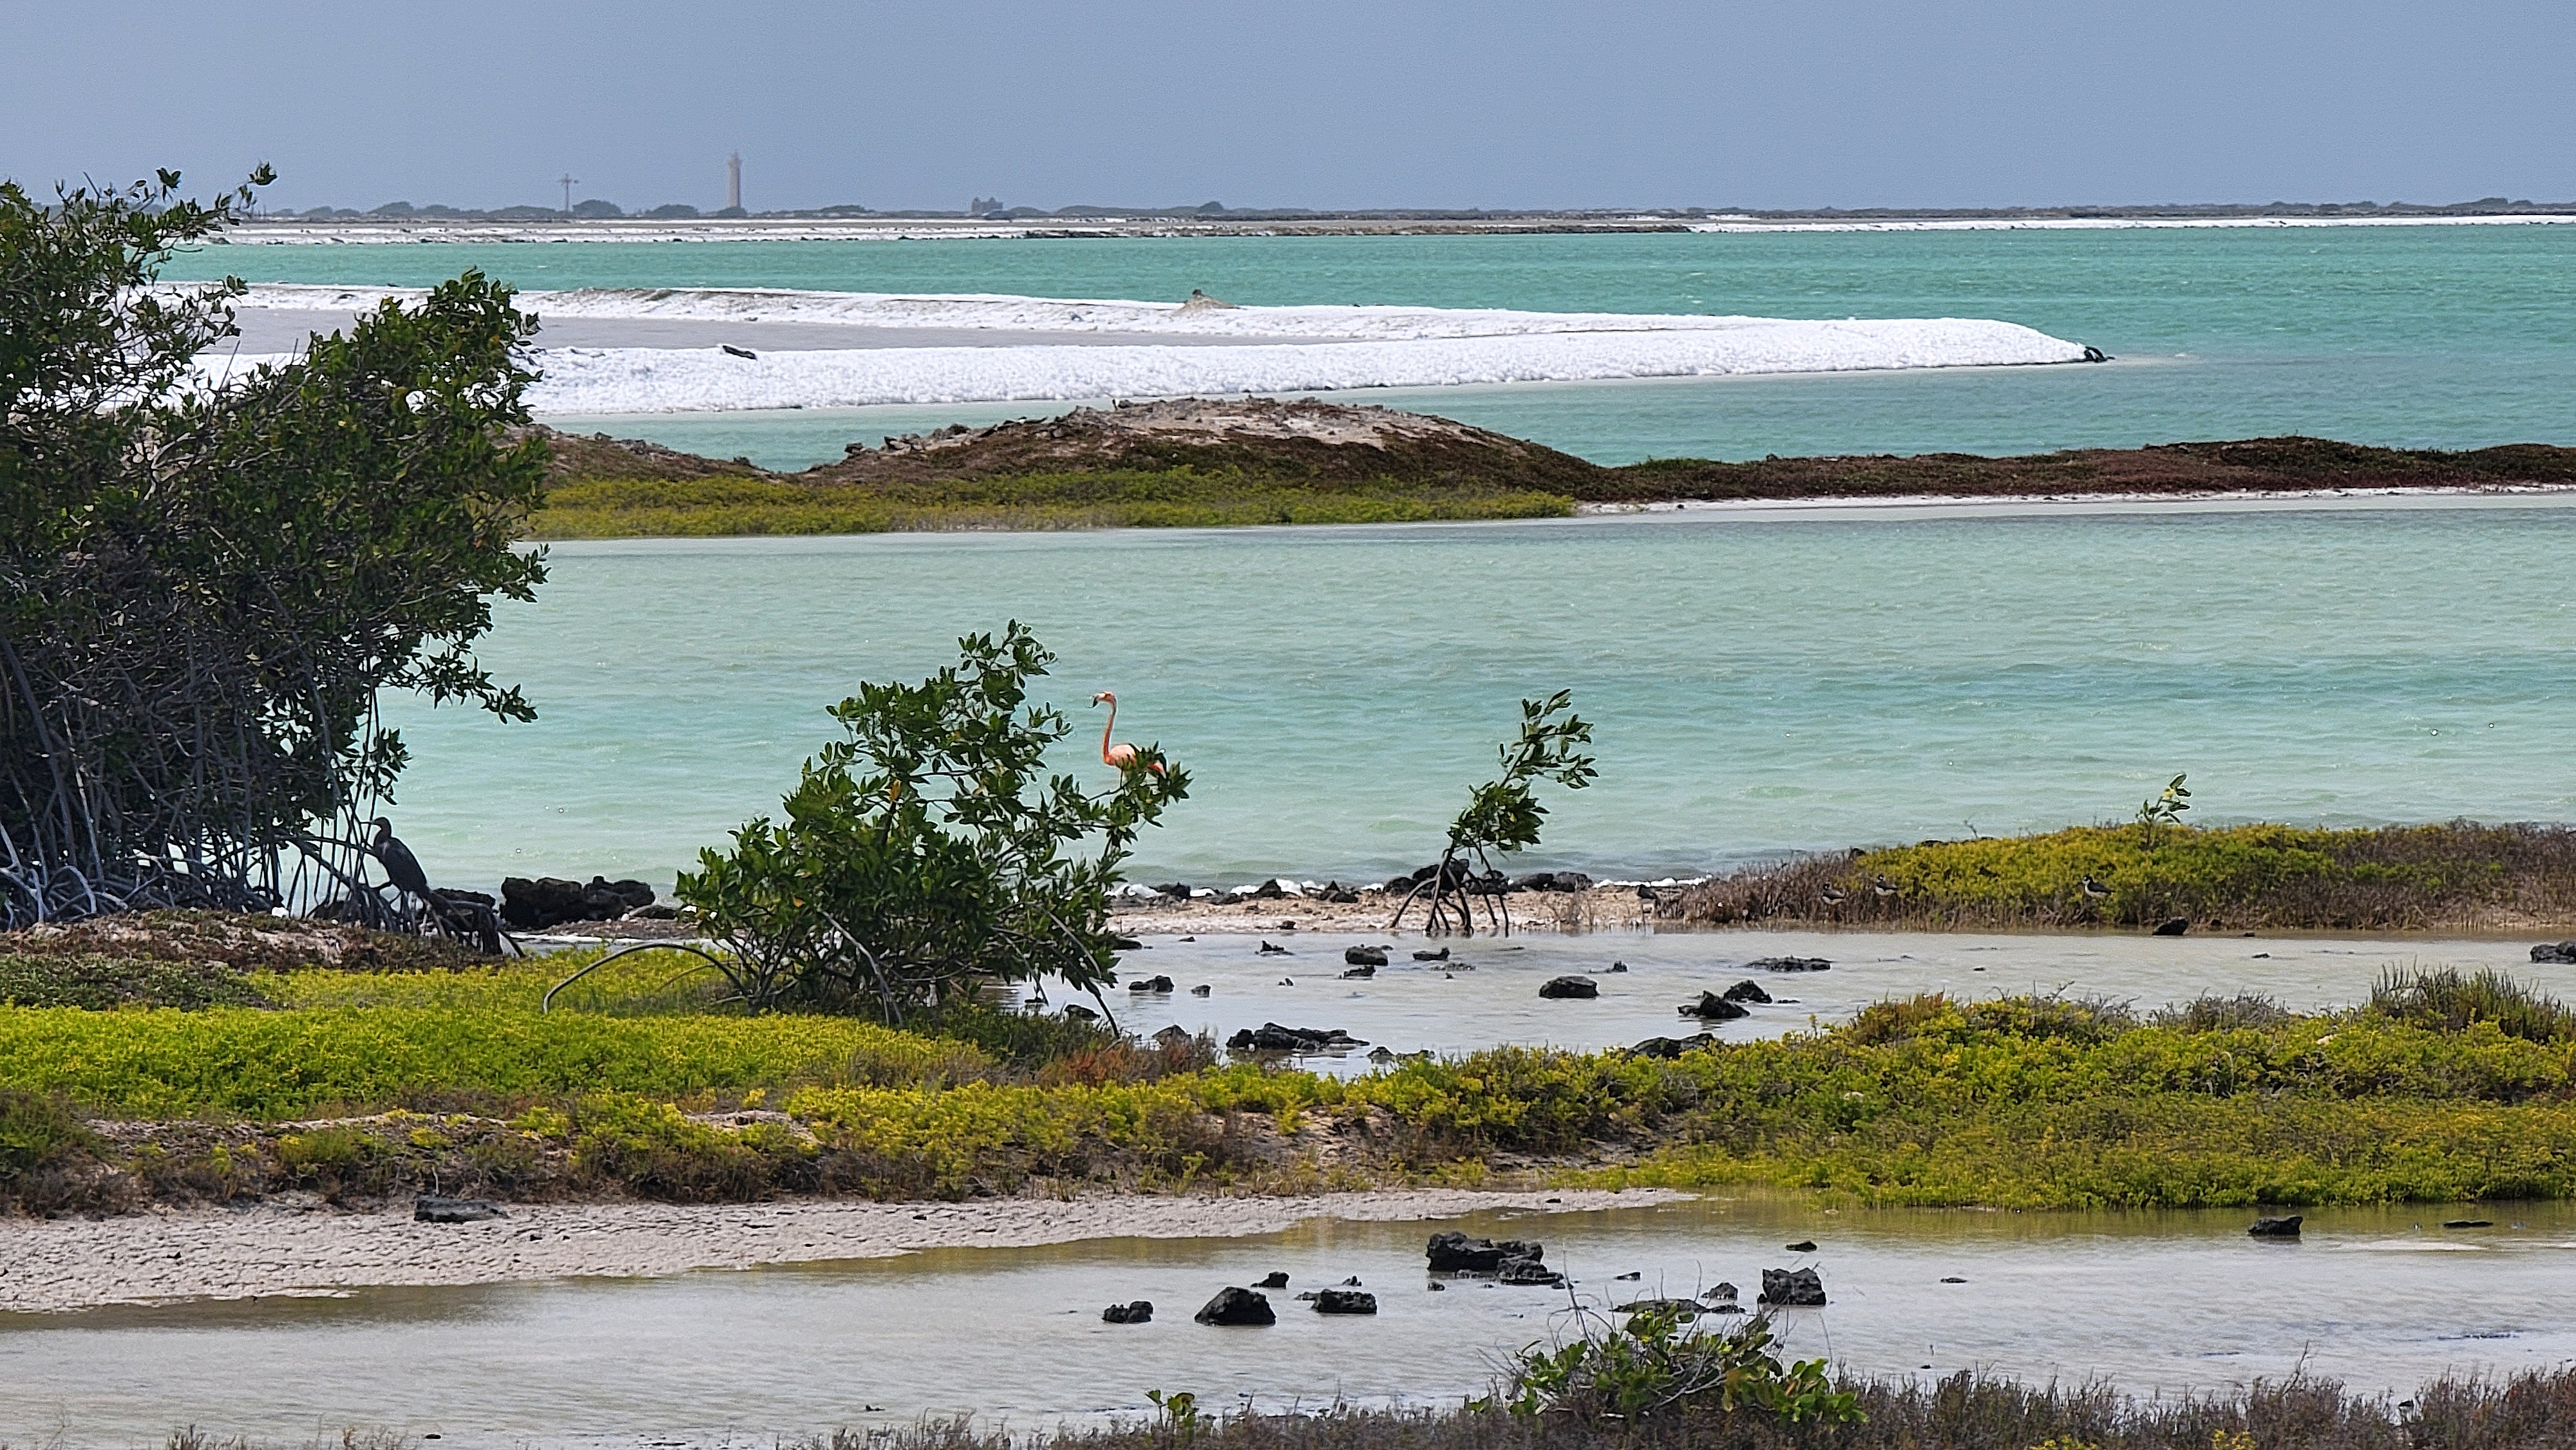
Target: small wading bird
1833 895
2095 889
1122 754
402 868
1881 886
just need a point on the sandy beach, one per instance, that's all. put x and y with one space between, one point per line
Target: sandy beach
282 1247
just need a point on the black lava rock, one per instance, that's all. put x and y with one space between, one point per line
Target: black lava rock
1140 1311
2286 1227
1161 985
1455 1253
1713 1008
1364 956
1792 1287
1747 990
2563 952
1345 1301
1560 988
1271 1037
1272 1280
2172 926
1670 1047
1789 964
1236 1306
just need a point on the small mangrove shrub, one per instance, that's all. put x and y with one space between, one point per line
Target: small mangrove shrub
928 852
1659 1363
1504 814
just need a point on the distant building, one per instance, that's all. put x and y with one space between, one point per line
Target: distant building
733 182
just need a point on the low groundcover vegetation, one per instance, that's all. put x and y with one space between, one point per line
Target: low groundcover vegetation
2460 875
362 1084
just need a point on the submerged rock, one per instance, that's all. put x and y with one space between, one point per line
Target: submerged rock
2172 926
1159 985
1271 1037
1364 956
1561 988
2284 1227
1345 1301
1683 1308
1272 1280
1236 1306
1789 964
1791 1287
1747 990
430 1208
1713 1008
1455 1253
1671 1047
1441 955
2563 952
1139 1311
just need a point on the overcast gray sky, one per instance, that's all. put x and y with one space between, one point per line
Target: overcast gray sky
1329 103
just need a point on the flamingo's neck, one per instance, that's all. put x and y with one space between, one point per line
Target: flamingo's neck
1106 727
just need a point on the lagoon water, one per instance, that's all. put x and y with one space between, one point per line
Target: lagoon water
1761 683
2435 336
2382 1298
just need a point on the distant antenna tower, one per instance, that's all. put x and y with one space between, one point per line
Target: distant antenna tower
733 182
569 182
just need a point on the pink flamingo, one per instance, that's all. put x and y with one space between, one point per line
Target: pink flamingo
1122 754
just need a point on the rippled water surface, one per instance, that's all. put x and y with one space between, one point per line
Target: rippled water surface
2381 1298
1759 683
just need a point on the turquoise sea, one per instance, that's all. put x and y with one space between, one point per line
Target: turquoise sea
1761 682
2452 336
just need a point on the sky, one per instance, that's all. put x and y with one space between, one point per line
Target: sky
1326 103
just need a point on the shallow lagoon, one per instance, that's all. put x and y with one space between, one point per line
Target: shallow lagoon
1762 682
2381 1297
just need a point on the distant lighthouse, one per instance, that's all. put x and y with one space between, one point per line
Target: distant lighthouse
733 182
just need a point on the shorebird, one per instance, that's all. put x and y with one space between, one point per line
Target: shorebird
1881 886
1122 754
402 868
2095 889
1833 895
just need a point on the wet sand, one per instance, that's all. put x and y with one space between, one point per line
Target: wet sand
280 1248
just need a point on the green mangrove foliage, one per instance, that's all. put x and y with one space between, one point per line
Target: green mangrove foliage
1503 815
2240 877
205 585
1662 1364
925 854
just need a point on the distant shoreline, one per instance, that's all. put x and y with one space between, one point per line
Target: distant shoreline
343 231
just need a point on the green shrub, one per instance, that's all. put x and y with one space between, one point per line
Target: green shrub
925 856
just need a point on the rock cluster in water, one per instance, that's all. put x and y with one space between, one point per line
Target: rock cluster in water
533 904
1271 1037
1513 1261
1791 1287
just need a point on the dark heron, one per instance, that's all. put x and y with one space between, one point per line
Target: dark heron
402 868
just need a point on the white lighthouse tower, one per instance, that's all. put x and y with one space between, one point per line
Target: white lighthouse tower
733 182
